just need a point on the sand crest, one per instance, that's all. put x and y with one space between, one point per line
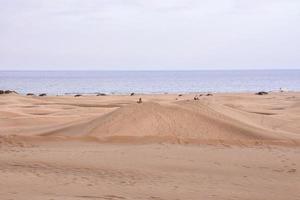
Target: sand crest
225 118
225 146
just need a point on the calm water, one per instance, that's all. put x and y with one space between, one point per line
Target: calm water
60 82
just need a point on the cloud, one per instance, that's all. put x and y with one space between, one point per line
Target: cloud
142 34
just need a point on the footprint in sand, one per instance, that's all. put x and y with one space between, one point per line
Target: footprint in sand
157 198
292 171
278 170
113 197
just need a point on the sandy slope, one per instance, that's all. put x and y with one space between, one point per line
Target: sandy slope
52 148
82 171
225 118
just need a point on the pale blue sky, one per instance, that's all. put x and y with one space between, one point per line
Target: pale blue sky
149 34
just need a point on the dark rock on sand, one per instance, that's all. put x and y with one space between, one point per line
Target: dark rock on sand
77 95
262 93
132 94
43 95
30 94
7 92
196 98
209 94
180 95
10 92
101 94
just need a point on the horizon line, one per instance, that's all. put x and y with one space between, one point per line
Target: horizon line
146 70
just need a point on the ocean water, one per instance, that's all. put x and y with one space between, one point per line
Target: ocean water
124 82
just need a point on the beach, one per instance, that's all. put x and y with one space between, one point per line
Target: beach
149 100
167 146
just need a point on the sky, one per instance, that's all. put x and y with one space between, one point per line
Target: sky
149 34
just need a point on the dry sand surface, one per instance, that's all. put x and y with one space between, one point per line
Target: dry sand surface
226 146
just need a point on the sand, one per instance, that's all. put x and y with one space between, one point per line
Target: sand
225 146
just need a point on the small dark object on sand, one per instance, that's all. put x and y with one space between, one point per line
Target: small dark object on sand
209 94
7 92
101 94
43 95
30 94
261 93
180 95
132 94
140 100
77 95
196 98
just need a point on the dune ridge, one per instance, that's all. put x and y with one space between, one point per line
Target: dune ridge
231 119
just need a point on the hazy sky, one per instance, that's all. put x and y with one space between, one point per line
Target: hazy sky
149 34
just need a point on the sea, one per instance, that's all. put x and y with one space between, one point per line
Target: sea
148 82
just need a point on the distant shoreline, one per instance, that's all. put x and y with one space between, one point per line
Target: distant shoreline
149 82
150 94
158 70
153 94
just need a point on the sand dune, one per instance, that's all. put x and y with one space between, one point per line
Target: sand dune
223 118
80 171
68 148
